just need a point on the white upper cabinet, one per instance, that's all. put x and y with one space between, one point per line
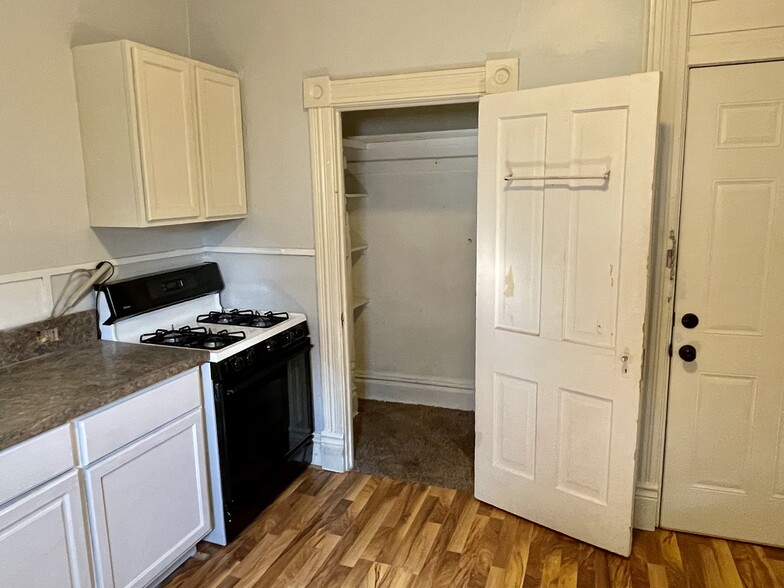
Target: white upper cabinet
161 137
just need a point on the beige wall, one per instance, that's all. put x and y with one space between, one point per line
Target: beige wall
43 214
275 44
43 210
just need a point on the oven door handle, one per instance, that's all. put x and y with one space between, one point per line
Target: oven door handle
264 370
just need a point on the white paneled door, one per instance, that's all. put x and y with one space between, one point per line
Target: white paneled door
562 274
724 461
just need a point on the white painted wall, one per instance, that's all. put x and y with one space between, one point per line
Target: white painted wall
43 207
274 44
419 272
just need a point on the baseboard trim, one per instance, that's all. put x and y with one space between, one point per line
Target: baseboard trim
316 460
407 389
332 456
646 507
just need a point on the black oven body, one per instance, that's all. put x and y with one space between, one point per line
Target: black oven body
264 410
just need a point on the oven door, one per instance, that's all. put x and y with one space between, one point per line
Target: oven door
265 431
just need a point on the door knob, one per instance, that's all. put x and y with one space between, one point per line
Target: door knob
687 353
690 320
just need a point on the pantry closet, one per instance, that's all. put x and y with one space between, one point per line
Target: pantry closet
410 185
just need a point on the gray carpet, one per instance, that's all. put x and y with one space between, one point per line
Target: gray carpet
415 443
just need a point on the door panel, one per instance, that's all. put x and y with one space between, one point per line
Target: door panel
514 447
561 284
738 252
584 431
726 404
518 287
598 139
722 473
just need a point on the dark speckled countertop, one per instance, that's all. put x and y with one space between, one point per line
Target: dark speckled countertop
47 391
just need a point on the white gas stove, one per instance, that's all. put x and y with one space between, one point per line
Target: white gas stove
258 403
179 326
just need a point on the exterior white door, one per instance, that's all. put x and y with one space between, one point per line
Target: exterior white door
562 272
724 461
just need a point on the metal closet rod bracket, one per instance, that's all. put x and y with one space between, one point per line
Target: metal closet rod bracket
510 178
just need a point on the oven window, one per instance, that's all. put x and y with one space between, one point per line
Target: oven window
300 399
266 417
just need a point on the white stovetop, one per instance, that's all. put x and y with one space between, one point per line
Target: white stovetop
184 314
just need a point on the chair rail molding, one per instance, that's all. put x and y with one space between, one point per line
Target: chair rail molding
29 295
324 99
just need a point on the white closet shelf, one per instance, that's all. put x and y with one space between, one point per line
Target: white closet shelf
361 247
356 195
360 302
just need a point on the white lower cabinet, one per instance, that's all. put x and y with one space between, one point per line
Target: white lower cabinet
42 538
149 503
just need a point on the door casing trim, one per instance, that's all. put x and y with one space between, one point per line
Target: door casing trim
324 99
666 51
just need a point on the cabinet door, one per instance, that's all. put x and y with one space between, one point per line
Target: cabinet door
149 503
220 139
167 135
42 538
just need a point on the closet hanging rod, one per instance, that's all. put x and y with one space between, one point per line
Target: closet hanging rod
511 178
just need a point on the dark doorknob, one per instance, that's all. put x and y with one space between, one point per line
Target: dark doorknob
687 353
690 320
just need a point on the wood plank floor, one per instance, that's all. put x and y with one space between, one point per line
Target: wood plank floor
359 530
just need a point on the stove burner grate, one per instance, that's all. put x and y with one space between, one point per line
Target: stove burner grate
193 337
243 318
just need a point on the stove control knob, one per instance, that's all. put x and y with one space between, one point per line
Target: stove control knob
236 363
250 356
300 332
271 346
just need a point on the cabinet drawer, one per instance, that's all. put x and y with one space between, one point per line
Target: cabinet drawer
118 424
35 461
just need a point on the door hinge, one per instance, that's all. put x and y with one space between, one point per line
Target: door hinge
342 319
671 253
